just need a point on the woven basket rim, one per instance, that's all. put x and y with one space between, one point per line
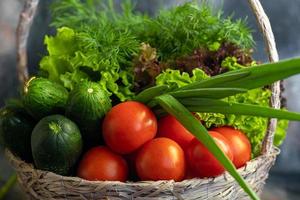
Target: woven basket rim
16 162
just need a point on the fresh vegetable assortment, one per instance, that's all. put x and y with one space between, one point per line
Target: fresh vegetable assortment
122 96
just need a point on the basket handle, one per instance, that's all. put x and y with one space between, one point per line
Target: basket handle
23 30
266 29
29 11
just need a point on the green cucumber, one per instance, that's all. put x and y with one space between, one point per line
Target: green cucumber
56 144
87 105
43 97
15 131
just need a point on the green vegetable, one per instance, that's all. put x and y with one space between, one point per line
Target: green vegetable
148 94
218 106
87 105
182 29
43 97
174 32
175 79
216 93
97 43
258 75
255 127
231 64
175 108
99 55
15 131
56 144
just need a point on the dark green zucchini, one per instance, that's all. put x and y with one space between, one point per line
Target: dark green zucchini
43 97
15 131
87 105
56 144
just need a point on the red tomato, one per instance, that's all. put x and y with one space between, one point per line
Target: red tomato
239 144
169 127
127 126
101 164
160 159
202 162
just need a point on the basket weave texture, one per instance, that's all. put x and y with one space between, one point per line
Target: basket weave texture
49 186
42 185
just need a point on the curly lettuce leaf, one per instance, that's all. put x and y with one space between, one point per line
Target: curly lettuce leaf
231 64
60 49
254 127
77 56
176 79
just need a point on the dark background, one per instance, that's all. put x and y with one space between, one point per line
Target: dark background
284 180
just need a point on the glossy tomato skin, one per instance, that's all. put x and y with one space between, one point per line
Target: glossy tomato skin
239 144
101 164
202 162
160 159
127 126
169 127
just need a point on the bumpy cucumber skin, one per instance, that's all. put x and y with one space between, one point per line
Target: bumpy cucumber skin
87 105
56 150
43 97
15 132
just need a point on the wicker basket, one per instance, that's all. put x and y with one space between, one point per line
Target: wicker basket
46 185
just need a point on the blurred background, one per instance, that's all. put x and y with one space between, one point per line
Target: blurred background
284 180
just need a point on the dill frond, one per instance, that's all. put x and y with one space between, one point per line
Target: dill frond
174 32
183 29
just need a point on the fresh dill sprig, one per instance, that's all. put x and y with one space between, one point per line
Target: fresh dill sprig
107 47
73 13
174 32
181 30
